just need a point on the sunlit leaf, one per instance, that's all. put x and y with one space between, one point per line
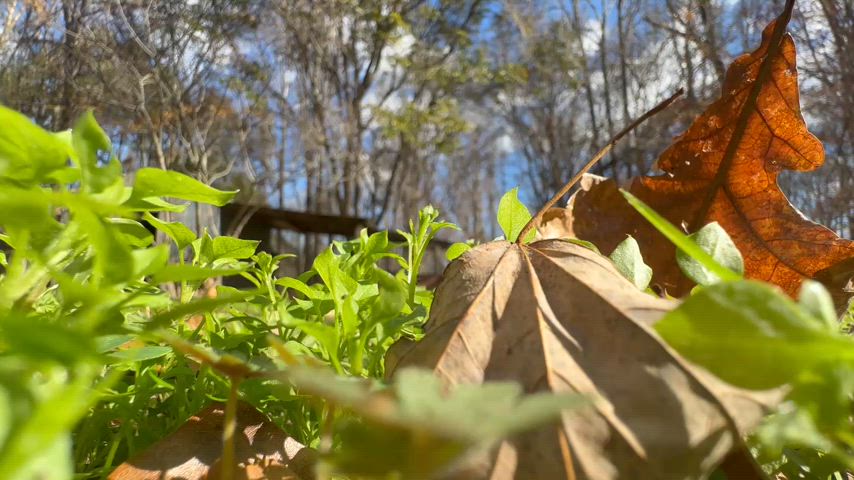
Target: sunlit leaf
713 240
513 215
629 261
154 182
456 250
750 335
177 231
28 153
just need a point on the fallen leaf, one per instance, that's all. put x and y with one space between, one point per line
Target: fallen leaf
724 168
263 450
557 222
556 316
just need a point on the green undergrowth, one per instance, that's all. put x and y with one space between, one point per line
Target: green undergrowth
110 339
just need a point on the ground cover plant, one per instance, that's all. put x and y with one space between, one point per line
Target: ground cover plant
540 357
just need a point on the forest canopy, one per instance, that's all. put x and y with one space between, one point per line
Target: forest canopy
376 108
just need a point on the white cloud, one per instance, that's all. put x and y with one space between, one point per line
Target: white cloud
505 144
387 72
592 35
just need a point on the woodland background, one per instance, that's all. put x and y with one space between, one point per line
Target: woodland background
375 108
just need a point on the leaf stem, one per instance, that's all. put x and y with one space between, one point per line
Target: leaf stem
227 461
536 219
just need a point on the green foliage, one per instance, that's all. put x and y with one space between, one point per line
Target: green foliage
628 260
28 154
417 239
457 249
688 246
82 272
154 182
513 215
106 345
413 429
713 240
751 335
817 301
411 122
728 326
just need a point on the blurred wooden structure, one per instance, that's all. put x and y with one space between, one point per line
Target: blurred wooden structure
307 234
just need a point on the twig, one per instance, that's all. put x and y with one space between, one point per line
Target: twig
535 221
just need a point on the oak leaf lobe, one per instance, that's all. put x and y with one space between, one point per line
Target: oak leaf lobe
724 168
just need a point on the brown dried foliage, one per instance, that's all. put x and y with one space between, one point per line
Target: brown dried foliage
555 316
724 168
263 450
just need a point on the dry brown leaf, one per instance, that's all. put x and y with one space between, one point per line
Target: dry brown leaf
724 168
555 316
556 223
263 450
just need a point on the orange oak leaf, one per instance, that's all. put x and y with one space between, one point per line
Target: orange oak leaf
724 168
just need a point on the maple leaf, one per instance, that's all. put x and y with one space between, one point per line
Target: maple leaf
724 168
556 316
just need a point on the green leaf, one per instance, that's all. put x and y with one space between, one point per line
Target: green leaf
191 273
112 256
679 239
326 336
140 354
794 428
376 243
25 210
422 429
88 138
513 215
28 153
6 415
391 298
64 176
302 287
152 204
50 462
342 287
815 299
200 306
133 232
202 249
750 335
154 182
150 260
628 260
806 462
232 248
476 413
826 394
105 343
715 241
45 341
32 452
582 243
456 250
